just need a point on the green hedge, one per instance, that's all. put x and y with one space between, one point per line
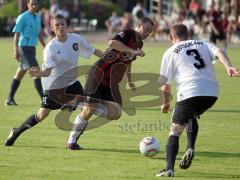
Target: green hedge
99 10
9 9
93 9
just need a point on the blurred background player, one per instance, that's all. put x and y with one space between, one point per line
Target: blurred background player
113 24
27 31
59 73
189 63
105 75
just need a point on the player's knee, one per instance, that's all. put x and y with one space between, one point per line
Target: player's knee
87 112
115 112
40 117
176 130
115 116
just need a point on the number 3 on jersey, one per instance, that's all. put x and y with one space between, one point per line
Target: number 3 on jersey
194 52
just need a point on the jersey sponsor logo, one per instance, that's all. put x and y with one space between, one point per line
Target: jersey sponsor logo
121 34
44 100
75 46
186 45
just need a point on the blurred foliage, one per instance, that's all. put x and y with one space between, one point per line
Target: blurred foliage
99 10
92 9
9 9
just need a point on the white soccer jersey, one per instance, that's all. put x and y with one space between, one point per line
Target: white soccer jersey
189 64
62 57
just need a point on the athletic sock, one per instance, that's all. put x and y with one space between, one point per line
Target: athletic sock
38 86
29 123
13 88
78 128
192 131
171 151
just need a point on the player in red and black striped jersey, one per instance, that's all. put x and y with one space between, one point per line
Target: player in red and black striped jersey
118 58
105 75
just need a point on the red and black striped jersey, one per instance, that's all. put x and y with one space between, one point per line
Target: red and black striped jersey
110 69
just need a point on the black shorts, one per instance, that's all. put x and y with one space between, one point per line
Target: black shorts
27 57
191 107
103 92
54 99
214 37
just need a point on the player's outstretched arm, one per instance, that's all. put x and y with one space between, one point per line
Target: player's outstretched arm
119 46
98 53
224 59
129 78
35 72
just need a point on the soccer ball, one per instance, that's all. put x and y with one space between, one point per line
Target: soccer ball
149 146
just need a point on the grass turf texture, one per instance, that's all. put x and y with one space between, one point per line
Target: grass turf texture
111 151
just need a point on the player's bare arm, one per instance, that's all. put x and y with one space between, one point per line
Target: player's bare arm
98 53
16 52
35 72
115 44
40 37
224 59
166 90
129 78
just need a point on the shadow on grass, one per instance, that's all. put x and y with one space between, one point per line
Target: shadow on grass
209 154
218 154
132 151
211 110
37 146
216 175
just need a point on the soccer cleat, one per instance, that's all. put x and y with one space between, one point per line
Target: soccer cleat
164 172
11 138
187 159
73 146
10 102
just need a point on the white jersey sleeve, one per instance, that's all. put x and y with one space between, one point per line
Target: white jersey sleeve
167 69
212 48
48 58
86 50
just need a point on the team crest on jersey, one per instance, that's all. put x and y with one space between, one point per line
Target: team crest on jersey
75 46
121 34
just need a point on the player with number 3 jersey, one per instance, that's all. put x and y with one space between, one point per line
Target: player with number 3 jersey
189 64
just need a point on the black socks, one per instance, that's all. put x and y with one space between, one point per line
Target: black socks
171 151
13 88
192 131
29 123
38 86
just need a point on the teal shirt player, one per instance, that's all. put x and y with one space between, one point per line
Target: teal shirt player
28 25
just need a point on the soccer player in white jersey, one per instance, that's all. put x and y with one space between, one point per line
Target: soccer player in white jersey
59 73
188 63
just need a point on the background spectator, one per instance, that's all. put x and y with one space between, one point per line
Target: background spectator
138 12
113 24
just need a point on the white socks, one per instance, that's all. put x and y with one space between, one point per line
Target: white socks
78 128
80 124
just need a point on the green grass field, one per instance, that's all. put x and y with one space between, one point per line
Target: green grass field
111 151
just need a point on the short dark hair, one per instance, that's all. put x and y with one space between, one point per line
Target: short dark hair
145 20
57 16
28 1
180 31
